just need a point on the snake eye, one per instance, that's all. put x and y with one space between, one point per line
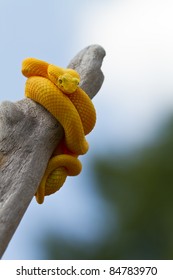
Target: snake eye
60 81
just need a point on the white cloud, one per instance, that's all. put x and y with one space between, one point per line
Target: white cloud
138 89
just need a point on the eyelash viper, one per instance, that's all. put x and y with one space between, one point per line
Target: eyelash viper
57 89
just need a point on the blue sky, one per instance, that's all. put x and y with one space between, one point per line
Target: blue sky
136 97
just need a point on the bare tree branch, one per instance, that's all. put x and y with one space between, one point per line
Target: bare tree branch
28 136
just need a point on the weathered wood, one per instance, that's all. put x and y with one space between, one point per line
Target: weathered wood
28 136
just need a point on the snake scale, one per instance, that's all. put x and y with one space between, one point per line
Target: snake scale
57 89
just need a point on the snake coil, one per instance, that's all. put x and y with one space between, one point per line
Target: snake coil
57 89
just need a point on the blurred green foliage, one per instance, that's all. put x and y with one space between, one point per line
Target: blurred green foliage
139 189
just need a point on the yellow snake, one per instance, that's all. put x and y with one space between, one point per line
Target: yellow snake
57 89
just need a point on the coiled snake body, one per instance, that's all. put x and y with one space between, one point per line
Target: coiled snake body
57 89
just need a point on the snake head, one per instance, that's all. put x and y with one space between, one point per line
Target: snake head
67 80
67 83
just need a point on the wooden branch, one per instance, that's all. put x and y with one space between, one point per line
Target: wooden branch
28 136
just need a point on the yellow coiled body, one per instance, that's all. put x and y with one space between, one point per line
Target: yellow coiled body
57 89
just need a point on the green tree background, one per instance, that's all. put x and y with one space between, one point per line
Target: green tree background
138 188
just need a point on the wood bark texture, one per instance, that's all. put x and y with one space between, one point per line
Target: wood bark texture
28 136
